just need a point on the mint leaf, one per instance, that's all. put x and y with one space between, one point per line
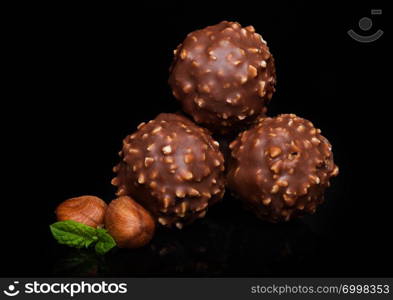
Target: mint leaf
78 235
105 241
73 234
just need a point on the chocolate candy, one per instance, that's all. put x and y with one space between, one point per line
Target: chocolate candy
223 75
173 168
281 167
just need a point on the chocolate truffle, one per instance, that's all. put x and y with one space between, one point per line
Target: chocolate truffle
173 168
223 75
281 167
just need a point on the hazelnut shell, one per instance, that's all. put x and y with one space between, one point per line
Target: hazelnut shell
88 210
129 223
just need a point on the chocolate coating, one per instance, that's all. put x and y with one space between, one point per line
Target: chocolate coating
281 167
223 75
173 168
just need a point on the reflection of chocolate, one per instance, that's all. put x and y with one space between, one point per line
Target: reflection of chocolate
172 167
223 75
227 242
201 248
280 249
281 167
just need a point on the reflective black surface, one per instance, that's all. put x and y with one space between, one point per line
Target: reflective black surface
82 78
228 242
236 244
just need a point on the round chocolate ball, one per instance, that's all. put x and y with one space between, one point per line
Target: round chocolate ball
173 168
281 167
223 75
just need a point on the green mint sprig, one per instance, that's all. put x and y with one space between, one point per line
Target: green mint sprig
79 235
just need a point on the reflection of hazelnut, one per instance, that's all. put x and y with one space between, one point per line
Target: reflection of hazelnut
88 210
129 223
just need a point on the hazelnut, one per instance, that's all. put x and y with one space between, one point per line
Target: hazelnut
129 223
88 210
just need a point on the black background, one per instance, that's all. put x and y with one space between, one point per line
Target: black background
82 78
